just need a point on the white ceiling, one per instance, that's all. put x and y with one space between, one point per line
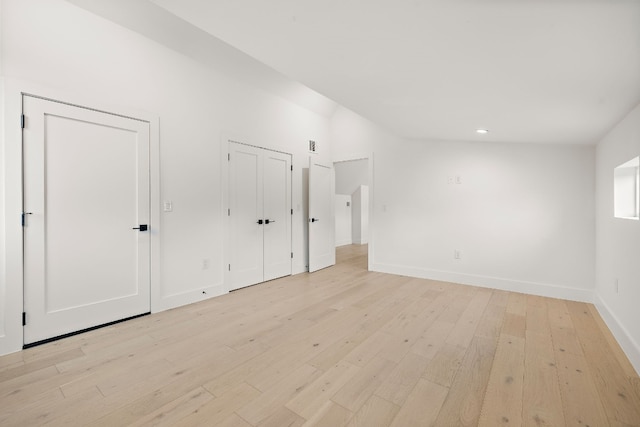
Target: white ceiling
549 71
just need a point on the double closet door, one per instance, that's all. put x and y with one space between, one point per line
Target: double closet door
259 215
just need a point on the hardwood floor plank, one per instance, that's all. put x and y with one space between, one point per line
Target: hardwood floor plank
432 339
218 409
566 340
513 325
267 403
616 393
282 417
397 386
341 346
517 304
499 298
622 359
414 412
491 321
233 420
580 399
24 368
445 365
69 411
376 412
542 401
503 400
150 402
329 415
362 385
466 394
12 360
537 315
466 325
313 398
174 411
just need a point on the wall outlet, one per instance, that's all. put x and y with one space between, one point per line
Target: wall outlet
205 263
167 206
456 254
450 180
458 179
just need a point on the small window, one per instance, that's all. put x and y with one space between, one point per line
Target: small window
625 189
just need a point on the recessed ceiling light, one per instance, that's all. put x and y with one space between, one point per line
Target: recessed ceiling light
483 131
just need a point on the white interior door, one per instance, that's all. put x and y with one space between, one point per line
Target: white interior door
277 214
322 250
246 264
259 215
86 187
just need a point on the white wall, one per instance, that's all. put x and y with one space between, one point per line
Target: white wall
350 175
360 215
618 241
343 220
522 217
75 55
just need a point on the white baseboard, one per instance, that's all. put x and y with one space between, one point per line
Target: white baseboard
532 288
178 300
629 346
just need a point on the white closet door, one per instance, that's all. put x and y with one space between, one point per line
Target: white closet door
246 215
277 214
322 250
86 187
259 216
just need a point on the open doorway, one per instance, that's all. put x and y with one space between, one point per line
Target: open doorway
352 211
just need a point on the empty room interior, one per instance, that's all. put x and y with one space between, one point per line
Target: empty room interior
320 213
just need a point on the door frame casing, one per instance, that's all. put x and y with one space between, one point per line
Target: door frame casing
369 155
12 282
224 180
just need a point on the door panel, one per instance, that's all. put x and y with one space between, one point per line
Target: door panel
86 185
245 201
322 250
277 204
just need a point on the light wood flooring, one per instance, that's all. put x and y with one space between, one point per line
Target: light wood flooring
342 346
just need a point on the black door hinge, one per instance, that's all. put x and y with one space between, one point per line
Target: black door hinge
22 121
228 157
291 255
291 168
24 318
292 211
23 218
229 267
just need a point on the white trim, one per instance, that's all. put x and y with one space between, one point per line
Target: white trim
371 238
630 347
532 288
